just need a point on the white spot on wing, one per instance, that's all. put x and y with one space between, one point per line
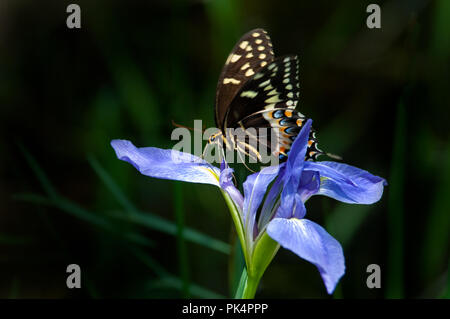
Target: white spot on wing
249 72
273 99
243 44
235 57
245 66
258 76
262 84
249 94
231 80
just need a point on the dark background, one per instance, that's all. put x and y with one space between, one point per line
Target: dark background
378 97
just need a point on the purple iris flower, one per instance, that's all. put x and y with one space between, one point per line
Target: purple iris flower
284 188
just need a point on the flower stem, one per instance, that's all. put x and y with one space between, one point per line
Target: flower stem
250 287
237 223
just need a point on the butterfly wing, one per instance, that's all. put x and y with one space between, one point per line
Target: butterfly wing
274 86
282 127
250 54
268 100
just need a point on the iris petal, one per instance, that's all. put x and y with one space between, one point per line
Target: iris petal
271 200
347 183
309 184
166 163
254 190
292 204
297 153
312 243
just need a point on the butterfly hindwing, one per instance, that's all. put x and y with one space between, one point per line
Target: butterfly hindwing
252 53
280 127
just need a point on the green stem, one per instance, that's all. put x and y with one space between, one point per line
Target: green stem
250 287
237 223
263 253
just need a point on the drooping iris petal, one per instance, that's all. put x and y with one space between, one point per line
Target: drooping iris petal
226 183
255 188
347 183
312 243
166 163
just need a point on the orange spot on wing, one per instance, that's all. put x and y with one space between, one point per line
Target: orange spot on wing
299 122
288 113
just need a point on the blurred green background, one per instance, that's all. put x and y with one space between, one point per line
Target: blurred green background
379 98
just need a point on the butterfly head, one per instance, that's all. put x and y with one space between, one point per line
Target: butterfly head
214 138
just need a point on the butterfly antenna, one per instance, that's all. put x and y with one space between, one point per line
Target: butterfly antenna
189 128
334 156
235 180
243 162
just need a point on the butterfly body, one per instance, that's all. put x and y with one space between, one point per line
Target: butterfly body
257 94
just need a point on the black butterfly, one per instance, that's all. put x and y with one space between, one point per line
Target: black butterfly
257 90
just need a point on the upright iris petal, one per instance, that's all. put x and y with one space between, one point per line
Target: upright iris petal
291 203
255 188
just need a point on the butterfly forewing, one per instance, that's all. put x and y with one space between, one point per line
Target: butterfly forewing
274 86
252 53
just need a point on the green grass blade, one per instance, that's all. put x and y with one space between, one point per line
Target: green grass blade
40 175
111 184
394 282
85 215
446 295
14 291
240 289
160 224
237 264
166 280
345 221
6 239
176 283
150 220
181 245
